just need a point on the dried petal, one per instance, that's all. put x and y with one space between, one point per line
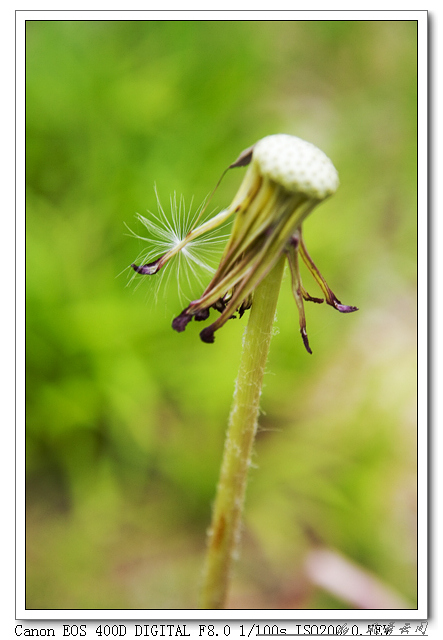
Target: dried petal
331 298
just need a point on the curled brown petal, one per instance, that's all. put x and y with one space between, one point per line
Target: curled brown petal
148 269
297 290
180 322
330 296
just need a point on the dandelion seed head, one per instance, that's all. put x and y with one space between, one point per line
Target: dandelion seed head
296 164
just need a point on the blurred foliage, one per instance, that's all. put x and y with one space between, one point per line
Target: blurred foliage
125 418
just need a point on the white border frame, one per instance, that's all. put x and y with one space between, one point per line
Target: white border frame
182 615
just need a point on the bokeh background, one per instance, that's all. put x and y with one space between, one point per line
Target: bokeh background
126 418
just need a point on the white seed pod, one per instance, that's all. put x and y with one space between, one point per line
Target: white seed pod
295 164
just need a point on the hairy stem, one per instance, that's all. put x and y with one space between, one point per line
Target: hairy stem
224 533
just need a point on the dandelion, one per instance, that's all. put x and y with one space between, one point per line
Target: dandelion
194 261
285 180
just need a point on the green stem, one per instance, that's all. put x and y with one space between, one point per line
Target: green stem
224 533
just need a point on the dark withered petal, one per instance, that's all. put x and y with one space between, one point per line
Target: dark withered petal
220 305
310 298
304 335
245 305
147 269
330 296
207 335
334 302
243 159
201 315
180 322
297 288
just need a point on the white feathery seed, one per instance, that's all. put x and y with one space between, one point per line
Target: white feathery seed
197 258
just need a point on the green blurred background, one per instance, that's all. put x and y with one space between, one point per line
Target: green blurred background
126 418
